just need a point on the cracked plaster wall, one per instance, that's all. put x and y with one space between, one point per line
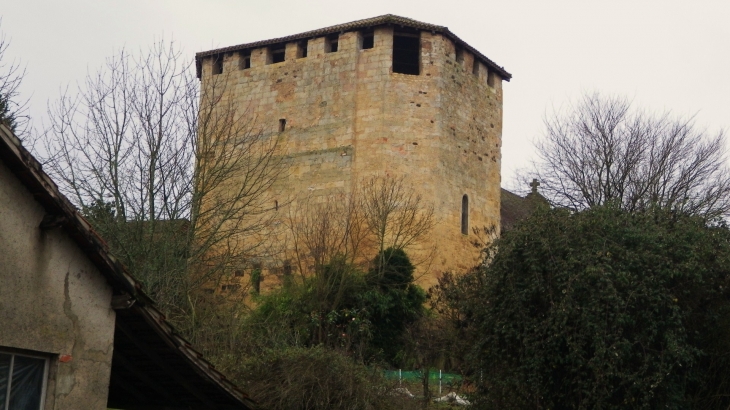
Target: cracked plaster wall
53 301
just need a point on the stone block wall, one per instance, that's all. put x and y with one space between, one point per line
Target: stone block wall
349 116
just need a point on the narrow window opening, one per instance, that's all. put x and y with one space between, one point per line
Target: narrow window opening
368 40
490 78
276 205
460 56
282 124
302 49
277 55
218 64
465 215
475 68
287 270
332 43
245 60
407 53
256 278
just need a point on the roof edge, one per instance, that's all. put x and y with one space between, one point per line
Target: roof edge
354 25
30 173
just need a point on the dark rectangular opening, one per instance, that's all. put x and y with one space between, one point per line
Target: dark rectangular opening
459 56
218 64
475 67
465 215
256 274
490 78
407 54
302 49
331 43
282 125
277 55
368 39
287 269
244 61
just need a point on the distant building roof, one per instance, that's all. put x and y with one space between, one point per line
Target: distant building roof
360 24
514 208
152 364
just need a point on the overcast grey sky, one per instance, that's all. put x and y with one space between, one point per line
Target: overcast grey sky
664 54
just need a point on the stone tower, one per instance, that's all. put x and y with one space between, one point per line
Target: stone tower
381 96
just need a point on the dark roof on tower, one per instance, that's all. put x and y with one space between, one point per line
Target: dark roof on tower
360 24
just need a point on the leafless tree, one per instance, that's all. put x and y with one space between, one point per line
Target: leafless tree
381 212
394 214
322 228
13 110
173 174
603 150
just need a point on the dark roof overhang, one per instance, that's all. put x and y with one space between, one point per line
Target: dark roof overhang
355 25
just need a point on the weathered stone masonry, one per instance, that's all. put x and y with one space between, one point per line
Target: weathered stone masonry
348 114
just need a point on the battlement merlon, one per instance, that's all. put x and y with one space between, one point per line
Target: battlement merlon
294 40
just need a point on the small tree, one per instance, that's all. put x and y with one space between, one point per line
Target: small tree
322 229
394 213
602 309
380 213
13 112
394 302
603 150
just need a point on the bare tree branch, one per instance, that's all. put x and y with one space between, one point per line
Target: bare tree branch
604 151
13 111
173 177
384 213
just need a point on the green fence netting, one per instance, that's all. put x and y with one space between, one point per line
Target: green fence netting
416 375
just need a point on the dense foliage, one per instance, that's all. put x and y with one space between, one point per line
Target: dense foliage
601 309
394 302
316 342
342 308
316 378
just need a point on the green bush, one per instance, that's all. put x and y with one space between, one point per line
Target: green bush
325 309
317 378
601 310
393 301
342 308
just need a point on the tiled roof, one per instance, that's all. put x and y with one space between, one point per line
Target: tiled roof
514 208
359 24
